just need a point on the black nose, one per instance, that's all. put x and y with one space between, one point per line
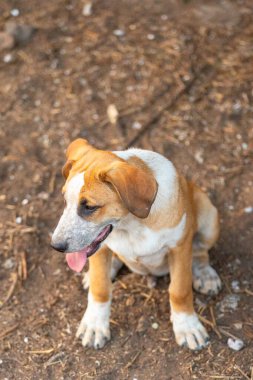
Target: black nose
61 247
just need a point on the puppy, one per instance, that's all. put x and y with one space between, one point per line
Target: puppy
133 207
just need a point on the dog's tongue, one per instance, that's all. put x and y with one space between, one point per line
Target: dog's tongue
76 260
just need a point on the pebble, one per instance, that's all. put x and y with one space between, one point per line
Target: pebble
1 362
9 263
24 202
199 156
150 37
235 344
19 220
238 325
248 209
8 58
235 285
136 125
26 339
112 113
87 9
155 326
43 195
119 32
15 12
6 41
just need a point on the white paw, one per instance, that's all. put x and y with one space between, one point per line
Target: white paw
205 279
94 328
189 332
86 280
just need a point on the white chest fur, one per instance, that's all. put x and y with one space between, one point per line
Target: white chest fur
143 249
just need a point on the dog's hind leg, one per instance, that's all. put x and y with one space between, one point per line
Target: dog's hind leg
115 267
205 278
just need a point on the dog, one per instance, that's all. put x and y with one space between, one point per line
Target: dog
132 207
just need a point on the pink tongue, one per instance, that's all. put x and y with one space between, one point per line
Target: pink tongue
76 260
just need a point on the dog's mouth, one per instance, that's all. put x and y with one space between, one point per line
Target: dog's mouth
77 260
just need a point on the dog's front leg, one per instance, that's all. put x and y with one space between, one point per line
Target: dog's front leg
187 328
94 328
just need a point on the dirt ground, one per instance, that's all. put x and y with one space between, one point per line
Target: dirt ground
180 74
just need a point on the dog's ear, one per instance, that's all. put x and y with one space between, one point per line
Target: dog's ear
136 187
76 150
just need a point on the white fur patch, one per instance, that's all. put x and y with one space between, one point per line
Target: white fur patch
188 330
94 327
139 244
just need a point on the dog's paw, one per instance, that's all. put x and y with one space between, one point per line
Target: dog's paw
205 279
189 332
93 335
86 280
94 329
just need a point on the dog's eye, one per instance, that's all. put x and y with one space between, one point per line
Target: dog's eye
85 209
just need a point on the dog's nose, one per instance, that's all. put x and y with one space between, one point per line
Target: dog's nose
60 247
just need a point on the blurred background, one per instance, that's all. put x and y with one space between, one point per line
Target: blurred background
172 76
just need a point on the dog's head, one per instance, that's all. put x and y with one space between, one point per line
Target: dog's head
100 189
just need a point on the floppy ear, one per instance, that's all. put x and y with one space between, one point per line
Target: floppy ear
77 149
136 188
66 168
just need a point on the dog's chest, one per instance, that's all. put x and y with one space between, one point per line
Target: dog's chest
144 249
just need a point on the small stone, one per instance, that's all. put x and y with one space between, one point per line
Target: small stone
1 362
112 113
26 339
24 202
155 326
15 12
235 344
6 41
199 156
43 195
19 220
9 263
244 146
136 125
235 285
150 37
8 58
248 209
87 9
37 102
119 32
97 362
57 272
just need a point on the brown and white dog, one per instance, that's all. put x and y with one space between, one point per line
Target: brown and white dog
133 207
